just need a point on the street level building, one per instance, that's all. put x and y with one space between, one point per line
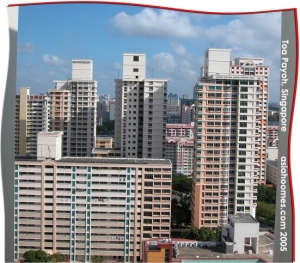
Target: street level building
230 137
140 111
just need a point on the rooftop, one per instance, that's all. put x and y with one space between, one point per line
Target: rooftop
101 160
242 218
273 162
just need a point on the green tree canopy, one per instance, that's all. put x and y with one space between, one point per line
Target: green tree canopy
182 189
106 127
98 259
203 234
56 257
266 194
265 213
35 256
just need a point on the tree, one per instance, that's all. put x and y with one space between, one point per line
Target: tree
265 213
266 194
97 259
192 233
56 257
35 256
203 234
179 215
182 187
107 126
181 212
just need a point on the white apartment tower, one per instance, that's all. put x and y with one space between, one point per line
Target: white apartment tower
230 137
31 118
73 108
140 110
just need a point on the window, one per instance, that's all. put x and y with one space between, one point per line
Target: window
136 58
135 70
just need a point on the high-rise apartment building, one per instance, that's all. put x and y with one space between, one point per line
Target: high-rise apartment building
230 137
31 118
73 105
180 147
84 207
140 110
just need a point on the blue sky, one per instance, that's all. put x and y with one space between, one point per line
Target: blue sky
50 36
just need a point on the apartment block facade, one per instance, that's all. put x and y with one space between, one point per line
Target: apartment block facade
272 135
84 207
230 137
73 109
31 117
140 111
180 147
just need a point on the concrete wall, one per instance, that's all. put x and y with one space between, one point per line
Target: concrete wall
82 69
134 68
242 231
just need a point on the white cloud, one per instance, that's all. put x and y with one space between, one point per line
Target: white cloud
178 49
53 60
163 61
160 24
27 48
257 34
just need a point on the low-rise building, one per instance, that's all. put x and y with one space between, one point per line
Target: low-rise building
104 142
241 234
272 172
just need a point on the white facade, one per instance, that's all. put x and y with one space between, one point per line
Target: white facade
82 70
241 234
112 110
217 61
140 111
49 145
134 66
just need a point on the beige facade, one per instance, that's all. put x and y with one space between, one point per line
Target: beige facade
180 147
140 111
83 207
31 118
272 167
104 142
73 105
230 137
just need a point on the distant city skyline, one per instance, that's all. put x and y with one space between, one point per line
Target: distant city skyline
51 36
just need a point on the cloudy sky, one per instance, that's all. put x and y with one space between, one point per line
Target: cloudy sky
50 36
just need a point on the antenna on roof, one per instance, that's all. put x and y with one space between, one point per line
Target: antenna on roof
118 73
152 69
